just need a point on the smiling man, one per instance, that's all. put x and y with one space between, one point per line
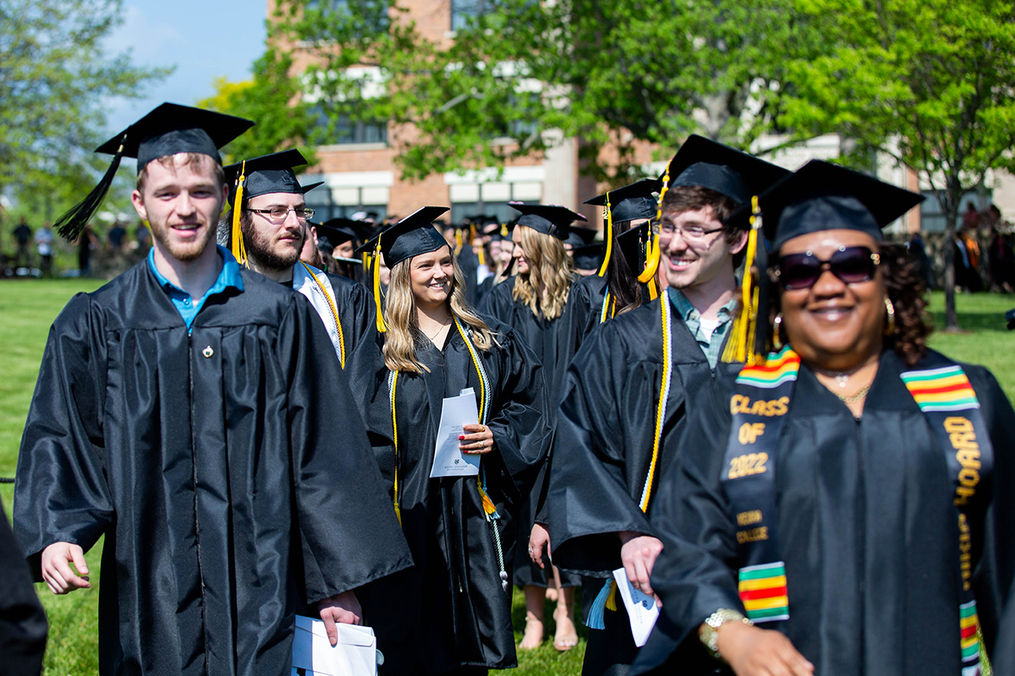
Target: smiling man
175 415
615 438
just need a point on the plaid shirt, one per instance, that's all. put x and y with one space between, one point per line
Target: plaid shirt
692 318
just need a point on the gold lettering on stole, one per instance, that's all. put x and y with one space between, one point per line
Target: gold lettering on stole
967 453
752 535
748 518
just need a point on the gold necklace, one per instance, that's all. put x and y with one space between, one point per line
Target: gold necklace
433 338
853 398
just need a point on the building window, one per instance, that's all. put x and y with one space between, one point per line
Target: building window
462 11
350 131
369 16
932 217
322 202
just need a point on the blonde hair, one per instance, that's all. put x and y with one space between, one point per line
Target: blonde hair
545 288
403 327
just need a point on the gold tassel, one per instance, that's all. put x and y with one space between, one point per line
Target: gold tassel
611 600
488 505
609 237
236 237
458 242
741 343
648 275
381 326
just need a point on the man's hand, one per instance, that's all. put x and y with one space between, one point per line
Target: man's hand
476 440
638 554
752 651
537 539
56 570
342 608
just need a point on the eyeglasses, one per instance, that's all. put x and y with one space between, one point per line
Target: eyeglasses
280 213
853 264
688 232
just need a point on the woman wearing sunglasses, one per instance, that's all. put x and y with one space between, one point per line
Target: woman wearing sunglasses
847 506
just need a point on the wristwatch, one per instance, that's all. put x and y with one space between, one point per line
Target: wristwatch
710 628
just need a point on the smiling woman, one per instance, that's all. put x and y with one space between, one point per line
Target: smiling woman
453 609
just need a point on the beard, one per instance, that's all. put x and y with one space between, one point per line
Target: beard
266 252
185 252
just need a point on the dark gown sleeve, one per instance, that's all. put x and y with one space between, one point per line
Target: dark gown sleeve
520 426
589 501
346 523
994 576
60 493
695 574
23 626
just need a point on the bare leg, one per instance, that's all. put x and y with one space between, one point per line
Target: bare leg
566 636
535 597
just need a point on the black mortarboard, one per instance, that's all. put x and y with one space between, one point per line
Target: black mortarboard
579 237
631 202
824 196
735 174
588 256
549 219
167 130
338 230
411 236
270 174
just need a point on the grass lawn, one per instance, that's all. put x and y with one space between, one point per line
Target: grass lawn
28 307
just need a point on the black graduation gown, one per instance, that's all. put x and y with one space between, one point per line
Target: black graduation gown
468 261
554 343
206 460
866 527
356 311
23 625
603 449
449 609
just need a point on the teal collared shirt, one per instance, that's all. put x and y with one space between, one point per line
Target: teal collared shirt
188 308
710 345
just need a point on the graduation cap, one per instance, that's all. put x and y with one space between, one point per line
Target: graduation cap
338 230
629 203
263 175
548 219
588 256
411 236
270 174
632 246
167 130
579 237
824 196
730 172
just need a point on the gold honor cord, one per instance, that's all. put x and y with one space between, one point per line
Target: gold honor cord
741 344
334 313
235 236
609 237
648 275
392 382
664 394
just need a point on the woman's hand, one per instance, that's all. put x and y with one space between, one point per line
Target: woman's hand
752 651
477 439
638 553
538 538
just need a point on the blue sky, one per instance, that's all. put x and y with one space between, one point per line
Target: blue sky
203 39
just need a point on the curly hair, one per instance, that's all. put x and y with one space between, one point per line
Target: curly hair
545 288
403 327
906 290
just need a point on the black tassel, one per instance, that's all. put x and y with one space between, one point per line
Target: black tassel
74 221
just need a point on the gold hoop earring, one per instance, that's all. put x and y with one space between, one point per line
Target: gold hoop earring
777 333
890 324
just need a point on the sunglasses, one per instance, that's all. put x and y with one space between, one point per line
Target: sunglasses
852 264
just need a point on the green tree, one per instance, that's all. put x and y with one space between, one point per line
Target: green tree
929 82
615 73
272 99
55 77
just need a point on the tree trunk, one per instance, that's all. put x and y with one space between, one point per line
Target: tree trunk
951 210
